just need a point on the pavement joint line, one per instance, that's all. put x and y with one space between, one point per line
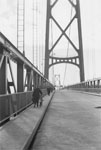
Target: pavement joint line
34 132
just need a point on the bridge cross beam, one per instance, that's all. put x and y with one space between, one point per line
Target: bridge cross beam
79 51
70 60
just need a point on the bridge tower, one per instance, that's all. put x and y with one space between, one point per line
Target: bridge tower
75 60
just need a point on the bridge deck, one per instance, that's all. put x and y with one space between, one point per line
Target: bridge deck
73 122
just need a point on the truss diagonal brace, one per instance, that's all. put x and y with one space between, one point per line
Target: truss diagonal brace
1 61
62 33
65 34
72 3
54 3
12 74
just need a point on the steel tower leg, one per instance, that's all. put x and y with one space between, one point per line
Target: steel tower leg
47 40
82 76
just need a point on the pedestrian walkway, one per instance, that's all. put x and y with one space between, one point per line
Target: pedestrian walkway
15 134
73 122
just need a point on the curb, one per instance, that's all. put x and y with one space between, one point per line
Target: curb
34 132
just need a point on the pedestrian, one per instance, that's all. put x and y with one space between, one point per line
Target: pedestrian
48 90
41 101
36 96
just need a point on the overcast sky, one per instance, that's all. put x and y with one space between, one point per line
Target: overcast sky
91 30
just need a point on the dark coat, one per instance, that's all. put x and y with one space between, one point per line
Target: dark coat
36 95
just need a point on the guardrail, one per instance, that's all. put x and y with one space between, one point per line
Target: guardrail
13 104
88 86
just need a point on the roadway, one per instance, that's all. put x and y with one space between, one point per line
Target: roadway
73 122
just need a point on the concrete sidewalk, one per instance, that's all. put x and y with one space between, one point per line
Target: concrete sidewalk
15 134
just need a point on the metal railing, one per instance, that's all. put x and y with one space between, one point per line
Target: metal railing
13 104
93 85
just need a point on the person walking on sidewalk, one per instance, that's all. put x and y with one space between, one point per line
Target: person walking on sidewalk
40 100
37 93
48 90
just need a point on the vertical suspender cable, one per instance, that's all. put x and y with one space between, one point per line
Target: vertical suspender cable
17 20
38 32
43 36
36 39
52 51
24 27
42 42
93 63
39 37
21 25
33 53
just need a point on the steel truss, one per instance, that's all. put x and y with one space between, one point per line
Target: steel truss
33 77
76 60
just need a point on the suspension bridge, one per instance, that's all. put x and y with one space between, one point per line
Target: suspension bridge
46 34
